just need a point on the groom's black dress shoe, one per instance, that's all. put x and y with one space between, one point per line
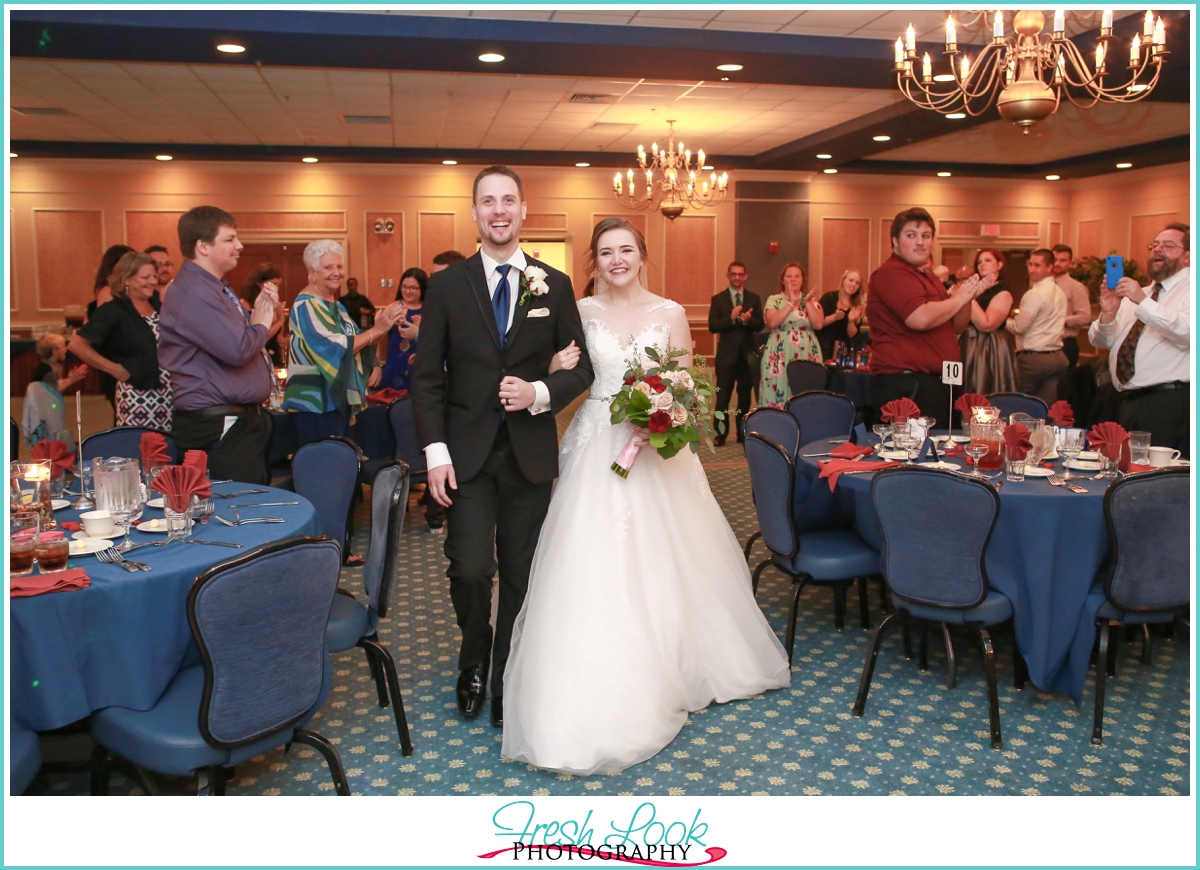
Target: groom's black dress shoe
497 711
471 690
719 441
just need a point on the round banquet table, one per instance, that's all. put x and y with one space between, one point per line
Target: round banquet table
1044 554
121 641
854 384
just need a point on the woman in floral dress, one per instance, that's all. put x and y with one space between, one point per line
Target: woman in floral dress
792 319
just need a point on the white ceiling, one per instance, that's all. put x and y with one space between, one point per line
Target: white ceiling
151 102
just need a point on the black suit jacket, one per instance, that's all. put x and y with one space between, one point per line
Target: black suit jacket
736 338
456 378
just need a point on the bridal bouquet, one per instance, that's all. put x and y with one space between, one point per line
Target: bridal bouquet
666 400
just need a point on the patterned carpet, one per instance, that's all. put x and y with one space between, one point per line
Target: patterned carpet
916 737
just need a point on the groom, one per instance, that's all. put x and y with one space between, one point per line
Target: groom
485 402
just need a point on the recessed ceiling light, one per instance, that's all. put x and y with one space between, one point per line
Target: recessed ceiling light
491 57
308 159
830 171
730 67
1119 165
944 77
1053 177
231 48
956 116
163 157
724 78
824 156
583 165
882 138
449 162
943 175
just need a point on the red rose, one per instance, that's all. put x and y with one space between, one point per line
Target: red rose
629 381
655 383
660 421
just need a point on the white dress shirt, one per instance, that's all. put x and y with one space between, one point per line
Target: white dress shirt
1079 305
1039 323
1164 351
438 453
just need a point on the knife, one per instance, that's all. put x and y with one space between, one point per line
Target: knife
264 504
210 543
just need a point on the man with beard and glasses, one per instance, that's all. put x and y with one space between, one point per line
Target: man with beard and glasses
1148 332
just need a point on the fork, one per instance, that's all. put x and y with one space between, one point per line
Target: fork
112 557
240 492
1056 479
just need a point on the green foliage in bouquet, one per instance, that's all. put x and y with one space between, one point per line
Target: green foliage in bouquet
670 401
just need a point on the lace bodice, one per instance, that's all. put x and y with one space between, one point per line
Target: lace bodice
615 335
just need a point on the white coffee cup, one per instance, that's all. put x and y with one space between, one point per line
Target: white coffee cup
97 524
1161 457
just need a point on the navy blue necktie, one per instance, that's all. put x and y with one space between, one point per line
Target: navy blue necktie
500 302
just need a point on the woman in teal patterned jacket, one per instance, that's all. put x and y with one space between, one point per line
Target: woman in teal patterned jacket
331 363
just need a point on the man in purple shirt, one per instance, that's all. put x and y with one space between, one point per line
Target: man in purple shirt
213 348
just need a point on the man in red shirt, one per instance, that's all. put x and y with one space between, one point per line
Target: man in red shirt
914 319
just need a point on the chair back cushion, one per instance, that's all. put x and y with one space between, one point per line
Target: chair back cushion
772 478
124 442
259 621
778 426
326 472
804 375
1148 528
404 430
936 526
389 500
1019 403
821 415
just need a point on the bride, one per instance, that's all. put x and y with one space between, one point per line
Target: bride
639 606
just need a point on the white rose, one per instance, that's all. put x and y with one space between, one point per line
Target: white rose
663 401
535 273
536 278
683 380
643 387
539 288
679 415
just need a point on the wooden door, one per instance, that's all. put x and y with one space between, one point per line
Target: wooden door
287 258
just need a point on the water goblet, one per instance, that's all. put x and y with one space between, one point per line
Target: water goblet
1070 446
975 452
881 430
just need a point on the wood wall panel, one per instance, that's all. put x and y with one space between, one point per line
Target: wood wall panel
1142 230
69 245
958 228
1019 230
885 243
638 220
435 233
1055 236
385 258
146 228
544 222
302 221
845 244
689 262
1090 234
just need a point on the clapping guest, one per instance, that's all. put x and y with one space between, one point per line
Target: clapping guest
989 365
843 310
402 336
121 339
331 363
52 355
43 415
249 295
791 316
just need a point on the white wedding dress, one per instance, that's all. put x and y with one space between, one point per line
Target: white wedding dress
639 606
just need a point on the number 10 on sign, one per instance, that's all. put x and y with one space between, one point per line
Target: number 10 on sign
951 376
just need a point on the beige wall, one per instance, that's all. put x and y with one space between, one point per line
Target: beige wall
1124 211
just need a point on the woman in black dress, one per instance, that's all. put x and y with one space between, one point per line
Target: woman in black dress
843 309
989 364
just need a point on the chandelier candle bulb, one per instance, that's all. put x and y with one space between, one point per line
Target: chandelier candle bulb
899 52
1135 50
951 34
1100 58
926 67
700 157
966 67
1160 35
1148 26
910 40
1060 21
1106 23
998 25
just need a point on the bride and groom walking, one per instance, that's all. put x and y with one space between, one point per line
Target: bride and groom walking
626 603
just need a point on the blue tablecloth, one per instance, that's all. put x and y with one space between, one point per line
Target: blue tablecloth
1045 552
371 431
122 640
855 385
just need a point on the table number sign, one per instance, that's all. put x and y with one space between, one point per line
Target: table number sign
952 375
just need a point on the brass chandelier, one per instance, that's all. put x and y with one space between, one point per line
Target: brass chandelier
673 181
1027 74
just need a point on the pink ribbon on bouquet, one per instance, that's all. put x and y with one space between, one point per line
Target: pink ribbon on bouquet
630 451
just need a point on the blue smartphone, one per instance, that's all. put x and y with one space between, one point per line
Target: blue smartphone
1114 268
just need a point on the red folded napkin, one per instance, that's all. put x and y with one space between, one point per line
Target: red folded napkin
386 396
1134 468
967 401
1112 440
40 584
899 408
1061 414
833 468
70 526
849 451
154 450
1016 440
196 459
61 459
178 483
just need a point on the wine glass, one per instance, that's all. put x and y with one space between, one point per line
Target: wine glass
1070 446
976 452
881 430
909 443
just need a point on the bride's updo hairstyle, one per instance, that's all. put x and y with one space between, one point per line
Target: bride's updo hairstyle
612 223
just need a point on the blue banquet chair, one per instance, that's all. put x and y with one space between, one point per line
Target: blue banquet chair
124 442
1148 579
404 431
25 756
781 427
804 375
935 579
259 622
1019 403
352 623
828 557
822 415
326 472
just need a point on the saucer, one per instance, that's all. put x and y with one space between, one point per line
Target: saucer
1180 463
84 536
1085 465
157 526
1038 471
86 546
1089 455
894 455
155 502
950 466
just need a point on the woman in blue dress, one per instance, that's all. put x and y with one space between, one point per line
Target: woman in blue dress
402 337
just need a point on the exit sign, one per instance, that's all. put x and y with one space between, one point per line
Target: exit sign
990 230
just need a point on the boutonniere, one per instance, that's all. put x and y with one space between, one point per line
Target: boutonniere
533 283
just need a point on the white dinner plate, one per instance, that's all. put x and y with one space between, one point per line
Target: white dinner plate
1038 471
949 466
1085 465
87 546
158 526
894 455
59 503
1180 462
84 536
1089 455
155 502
